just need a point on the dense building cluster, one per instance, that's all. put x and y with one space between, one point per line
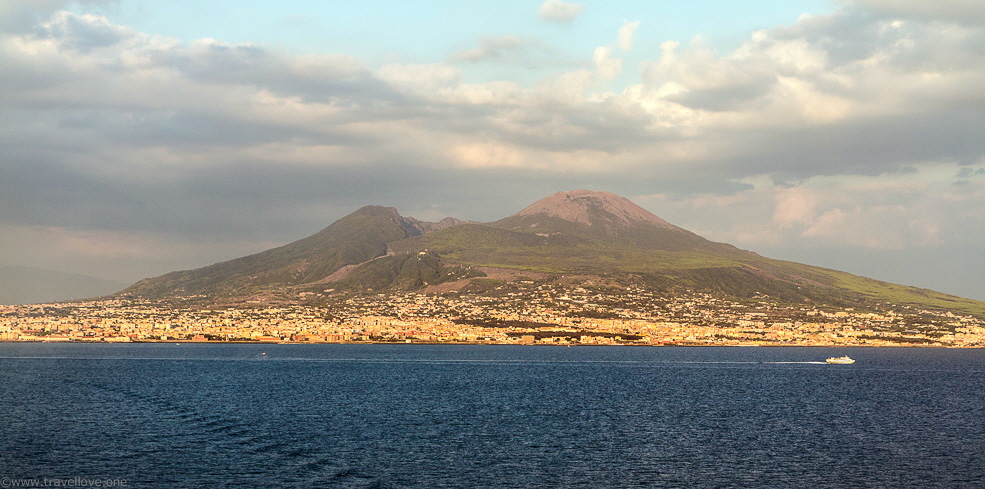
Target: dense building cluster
533 314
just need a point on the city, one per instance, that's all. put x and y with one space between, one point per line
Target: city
545 313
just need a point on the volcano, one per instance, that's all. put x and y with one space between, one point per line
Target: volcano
594 237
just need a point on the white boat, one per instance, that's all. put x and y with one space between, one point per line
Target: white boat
843 360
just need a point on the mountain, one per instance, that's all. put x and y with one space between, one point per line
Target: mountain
354 239
579 236
25 285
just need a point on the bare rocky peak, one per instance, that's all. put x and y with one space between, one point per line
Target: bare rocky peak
581 205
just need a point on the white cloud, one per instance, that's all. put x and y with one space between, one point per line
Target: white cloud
558 11
625 35
607 65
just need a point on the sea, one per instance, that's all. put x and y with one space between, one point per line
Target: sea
471 416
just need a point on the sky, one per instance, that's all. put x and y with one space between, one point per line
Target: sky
142 137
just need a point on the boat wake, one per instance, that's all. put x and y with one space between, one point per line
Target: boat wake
805 363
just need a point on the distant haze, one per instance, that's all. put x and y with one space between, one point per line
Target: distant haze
22 285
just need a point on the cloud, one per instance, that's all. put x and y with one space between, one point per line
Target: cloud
83 33
558 11
112 133
20 16
791 102
832 222
486 155
490 48
427 79
795 205
906 211
961 11
607 65
843 94
625 35
970 172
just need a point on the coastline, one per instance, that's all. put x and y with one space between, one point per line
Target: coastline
489 343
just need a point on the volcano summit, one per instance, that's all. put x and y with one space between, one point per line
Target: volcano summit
593 208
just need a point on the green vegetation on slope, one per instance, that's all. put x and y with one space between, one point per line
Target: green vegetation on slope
483 245
645 257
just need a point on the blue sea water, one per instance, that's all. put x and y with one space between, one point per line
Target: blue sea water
352 416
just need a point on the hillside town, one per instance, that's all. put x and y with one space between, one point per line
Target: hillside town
539 314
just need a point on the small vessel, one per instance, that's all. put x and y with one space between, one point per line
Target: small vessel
842 360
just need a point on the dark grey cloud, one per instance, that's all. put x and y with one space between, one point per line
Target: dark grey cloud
868 147
733 97
183 129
